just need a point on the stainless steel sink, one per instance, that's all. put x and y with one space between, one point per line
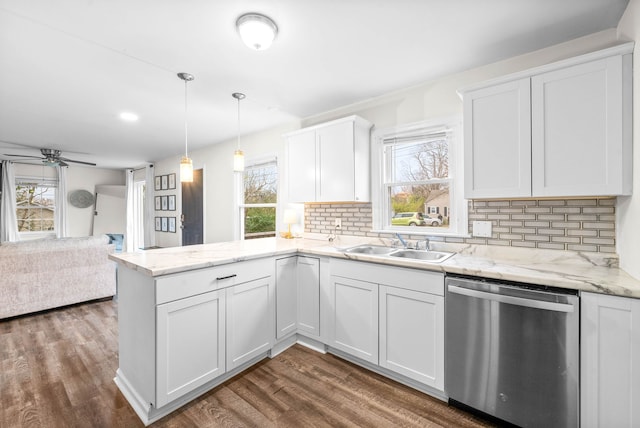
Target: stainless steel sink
370 249
427 256
383 251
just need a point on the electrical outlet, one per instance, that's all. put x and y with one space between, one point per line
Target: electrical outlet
482 229
338 223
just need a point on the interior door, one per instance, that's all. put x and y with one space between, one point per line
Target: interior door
192 211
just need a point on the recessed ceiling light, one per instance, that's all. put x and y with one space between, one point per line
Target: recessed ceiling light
128 116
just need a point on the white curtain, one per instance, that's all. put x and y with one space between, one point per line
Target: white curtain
149 209
128 238
9 220
60 214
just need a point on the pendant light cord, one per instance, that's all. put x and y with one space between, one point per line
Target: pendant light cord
186 130
238 147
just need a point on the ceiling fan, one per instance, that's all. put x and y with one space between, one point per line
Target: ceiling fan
51 157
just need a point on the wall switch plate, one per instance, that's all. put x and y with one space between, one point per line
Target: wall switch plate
482 229
338 223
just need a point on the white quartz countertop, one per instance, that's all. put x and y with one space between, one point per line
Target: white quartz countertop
564 269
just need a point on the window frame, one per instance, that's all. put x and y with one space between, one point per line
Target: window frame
458 208
240 206
50 182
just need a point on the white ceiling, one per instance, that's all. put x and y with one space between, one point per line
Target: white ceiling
68 68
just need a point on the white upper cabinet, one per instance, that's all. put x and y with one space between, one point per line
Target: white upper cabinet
497 124
560 130
577 137
330 162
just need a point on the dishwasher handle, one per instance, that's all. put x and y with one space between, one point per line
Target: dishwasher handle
511 300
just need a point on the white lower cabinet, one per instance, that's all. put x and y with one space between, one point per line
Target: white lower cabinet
610 361
412 334
190 344
249 321
286 296
297 296
355 318
308 295
389 316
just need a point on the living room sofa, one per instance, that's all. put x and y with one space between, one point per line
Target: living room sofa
49 273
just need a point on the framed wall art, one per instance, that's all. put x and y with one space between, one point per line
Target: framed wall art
157 183
158 224
165 182
172 202
165 224
172 181
172 224
165 202
158 202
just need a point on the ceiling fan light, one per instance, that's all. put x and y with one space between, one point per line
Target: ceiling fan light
186 170
256 31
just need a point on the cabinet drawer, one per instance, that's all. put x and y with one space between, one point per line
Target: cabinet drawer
423 281
185 284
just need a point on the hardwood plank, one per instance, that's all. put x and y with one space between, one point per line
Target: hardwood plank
57 369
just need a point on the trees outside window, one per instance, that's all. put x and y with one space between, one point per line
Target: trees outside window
414 167
35 205
260 196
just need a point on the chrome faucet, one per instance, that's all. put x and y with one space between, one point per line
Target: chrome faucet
404 243
425 241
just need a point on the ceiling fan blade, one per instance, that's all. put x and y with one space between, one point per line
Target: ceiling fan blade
76 161
23 156
62 163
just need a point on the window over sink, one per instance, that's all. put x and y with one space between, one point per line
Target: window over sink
416 172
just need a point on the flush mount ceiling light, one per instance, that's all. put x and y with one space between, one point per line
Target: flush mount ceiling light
186 165
256 31
238 155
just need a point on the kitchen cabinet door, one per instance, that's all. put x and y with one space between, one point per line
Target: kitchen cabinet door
336 177
577 131
302 166
308 294
610 361
412 335
497 141
190 344
250 321
354 324
286 296
330 162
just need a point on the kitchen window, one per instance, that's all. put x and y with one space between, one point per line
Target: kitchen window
419 181
258 200
36 205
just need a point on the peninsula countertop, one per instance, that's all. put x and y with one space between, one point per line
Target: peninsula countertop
592 272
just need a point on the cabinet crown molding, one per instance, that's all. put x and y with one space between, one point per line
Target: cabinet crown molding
621 49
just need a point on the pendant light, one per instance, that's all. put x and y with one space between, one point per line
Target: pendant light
186 165
238 155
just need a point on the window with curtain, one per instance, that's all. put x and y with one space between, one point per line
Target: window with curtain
418 187
36 204
257 208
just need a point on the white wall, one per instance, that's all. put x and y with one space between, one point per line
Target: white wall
217 164
78 177
86 178
429 100
628 209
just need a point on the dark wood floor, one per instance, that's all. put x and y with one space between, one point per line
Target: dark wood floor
57 369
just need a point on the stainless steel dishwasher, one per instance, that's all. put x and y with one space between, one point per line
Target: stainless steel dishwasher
513 352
